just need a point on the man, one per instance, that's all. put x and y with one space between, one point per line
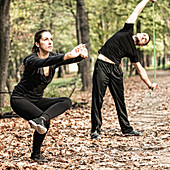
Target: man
108 72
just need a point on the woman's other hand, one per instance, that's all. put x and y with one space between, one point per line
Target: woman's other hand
78 50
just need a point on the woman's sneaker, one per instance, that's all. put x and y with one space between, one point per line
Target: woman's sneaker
38 124
38 157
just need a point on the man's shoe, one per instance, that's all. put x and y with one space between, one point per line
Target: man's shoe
95 135
132 133
38 158
38 125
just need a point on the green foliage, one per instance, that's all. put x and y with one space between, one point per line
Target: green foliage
5 109
28 17
105 18
63 86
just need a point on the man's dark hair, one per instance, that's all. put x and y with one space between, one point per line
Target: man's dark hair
148 40
137 41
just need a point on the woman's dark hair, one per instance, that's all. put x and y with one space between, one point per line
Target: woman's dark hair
37 38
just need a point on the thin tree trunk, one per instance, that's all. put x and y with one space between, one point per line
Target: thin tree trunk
85 66
9 87
78 36
61 71
4 45
140 52
164 55
148 60
78 29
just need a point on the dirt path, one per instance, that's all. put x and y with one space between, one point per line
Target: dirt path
68 144
152 115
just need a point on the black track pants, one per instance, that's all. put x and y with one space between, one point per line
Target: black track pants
111 75
47 107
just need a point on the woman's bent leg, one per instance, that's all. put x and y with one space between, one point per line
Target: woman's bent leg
29 111
53 107
25 108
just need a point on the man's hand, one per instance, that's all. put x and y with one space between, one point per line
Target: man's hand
153 86
143 75
153 0
133 17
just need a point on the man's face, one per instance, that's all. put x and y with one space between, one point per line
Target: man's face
142 38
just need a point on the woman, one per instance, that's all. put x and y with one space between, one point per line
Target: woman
27 98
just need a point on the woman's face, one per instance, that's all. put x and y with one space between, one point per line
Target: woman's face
46 42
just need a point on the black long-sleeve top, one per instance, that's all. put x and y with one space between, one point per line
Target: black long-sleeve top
33 81
120 45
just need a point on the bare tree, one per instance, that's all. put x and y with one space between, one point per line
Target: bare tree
4 45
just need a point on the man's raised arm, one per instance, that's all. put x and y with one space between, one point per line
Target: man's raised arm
133 17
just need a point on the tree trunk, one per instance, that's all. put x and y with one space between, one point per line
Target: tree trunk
66 69
82 22
164 55
78 28
131 70
16 69
148 60
140 53
78 36
4 45
9 87
60 71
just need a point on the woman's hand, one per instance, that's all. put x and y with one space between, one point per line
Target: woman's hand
84 52
78 50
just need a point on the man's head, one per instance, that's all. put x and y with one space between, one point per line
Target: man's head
141 39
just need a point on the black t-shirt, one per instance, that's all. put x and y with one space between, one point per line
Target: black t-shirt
33 81
120 45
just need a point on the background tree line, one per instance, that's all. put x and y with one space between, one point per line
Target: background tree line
72 22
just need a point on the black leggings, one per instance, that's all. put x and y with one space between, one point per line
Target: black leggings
46 107
111 75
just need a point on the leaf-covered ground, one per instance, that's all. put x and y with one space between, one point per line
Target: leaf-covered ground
68 144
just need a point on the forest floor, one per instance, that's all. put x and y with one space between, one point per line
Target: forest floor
68 144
